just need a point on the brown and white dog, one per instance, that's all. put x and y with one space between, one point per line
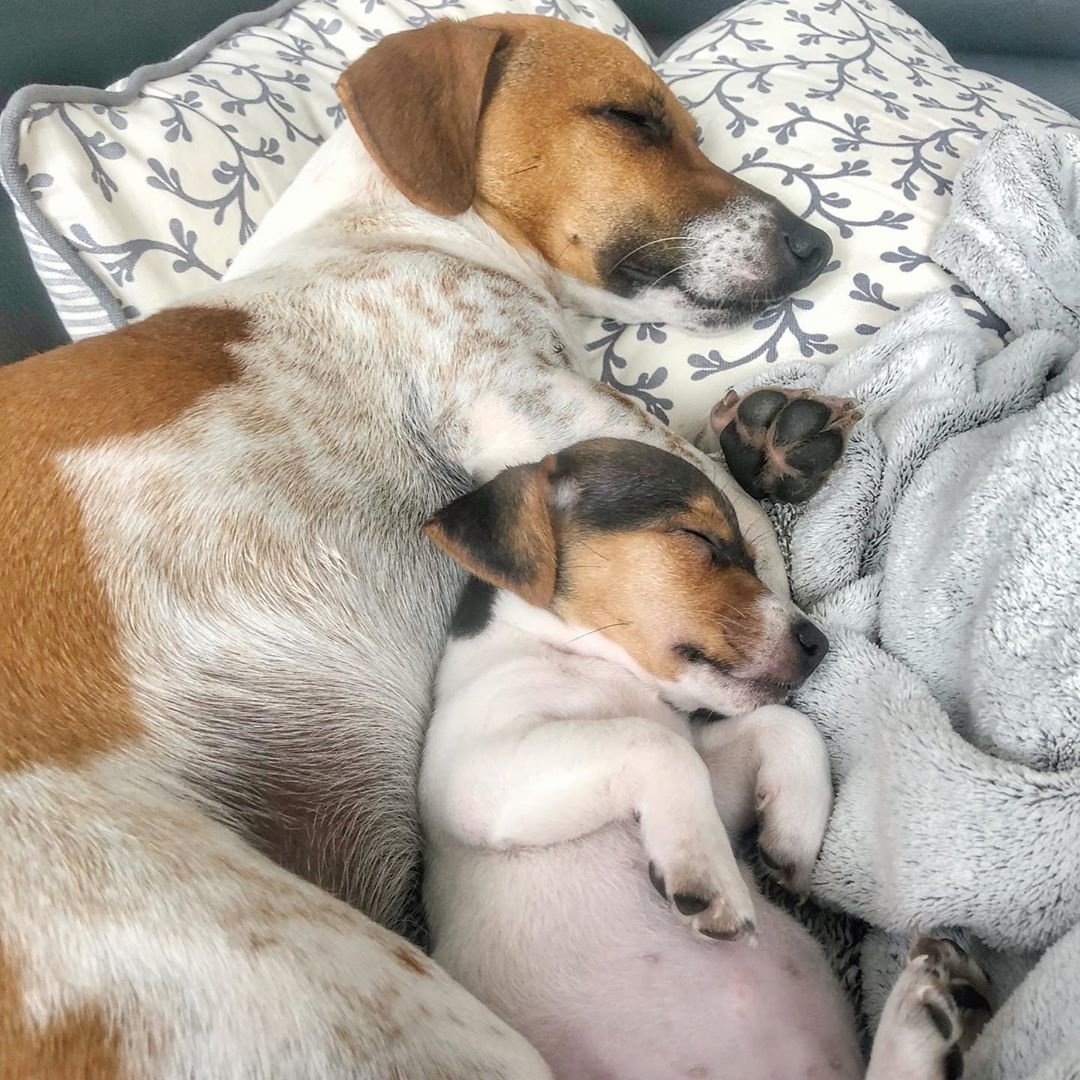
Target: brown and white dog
219 621
561 774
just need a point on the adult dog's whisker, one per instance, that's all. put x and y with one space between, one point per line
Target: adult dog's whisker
650 243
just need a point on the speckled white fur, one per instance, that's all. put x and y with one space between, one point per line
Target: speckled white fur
280 619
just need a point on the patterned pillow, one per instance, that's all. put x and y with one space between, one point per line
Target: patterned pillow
846 109
137 196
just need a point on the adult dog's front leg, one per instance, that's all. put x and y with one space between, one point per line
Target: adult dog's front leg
562 779
772 765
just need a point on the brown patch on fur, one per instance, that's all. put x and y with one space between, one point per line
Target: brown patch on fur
680 598
63 692
415 100
624 403
503 113
80 1042
410 959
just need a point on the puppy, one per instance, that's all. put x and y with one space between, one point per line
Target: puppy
613 594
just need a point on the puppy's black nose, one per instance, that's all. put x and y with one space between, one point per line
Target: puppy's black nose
811 646
806 247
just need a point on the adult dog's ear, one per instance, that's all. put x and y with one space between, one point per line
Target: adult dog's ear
415 100
503 532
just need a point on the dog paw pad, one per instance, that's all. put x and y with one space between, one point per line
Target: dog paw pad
782 444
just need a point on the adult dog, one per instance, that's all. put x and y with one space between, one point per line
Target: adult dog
218 617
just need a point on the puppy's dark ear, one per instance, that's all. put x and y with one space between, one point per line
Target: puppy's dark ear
415 100
502 532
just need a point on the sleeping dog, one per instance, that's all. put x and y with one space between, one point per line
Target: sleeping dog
614 594
219 622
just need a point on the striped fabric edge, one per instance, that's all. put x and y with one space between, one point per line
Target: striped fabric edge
77 304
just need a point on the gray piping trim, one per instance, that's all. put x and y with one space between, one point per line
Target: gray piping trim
25 99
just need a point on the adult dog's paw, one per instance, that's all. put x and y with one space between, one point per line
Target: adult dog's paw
781 444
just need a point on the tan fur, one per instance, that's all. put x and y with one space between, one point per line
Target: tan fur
422 136
63 696
594 182
82 1036
680 598
519 103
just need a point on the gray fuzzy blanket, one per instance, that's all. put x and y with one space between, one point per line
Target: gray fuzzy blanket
944 557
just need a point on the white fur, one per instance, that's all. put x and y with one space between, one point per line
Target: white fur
554 775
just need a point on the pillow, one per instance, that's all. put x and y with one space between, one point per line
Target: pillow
847 110
137 196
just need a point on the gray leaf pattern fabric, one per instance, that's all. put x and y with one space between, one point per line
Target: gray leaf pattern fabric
846 109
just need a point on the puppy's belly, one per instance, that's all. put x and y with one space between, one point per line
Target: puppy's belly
573 948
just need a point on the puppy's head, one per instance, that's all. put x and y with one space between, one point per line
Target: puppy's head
631 543
571 147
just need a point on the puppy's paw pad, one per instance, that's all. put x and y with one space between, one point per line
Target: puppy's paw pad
782 444
724 914
967 985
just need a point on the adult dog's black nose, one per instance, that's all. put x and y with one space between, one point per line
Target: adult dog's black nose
811 646
806 248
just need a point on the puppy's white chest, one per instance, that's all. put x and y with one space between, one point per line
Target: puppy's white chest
591 689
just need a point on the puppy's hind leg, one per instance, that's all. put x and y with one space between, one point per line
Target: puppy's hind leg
934 1012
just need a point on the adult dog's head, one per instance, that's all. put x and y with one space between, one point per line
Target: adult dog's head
565 142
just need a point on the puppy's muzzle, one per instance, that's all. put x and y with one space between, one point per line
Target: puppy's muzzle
809 648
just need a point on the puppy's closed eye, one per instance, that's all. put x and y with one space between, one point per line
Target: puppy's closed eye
721 552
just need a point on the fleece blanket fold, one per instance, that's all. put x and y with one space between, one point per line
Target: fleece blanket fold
944 558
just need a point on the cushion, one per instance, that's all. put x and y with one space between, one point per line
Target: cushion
848 110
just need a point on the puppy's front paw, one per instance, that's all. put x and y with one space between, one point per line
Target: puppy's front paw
701 881
781 444
793 802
